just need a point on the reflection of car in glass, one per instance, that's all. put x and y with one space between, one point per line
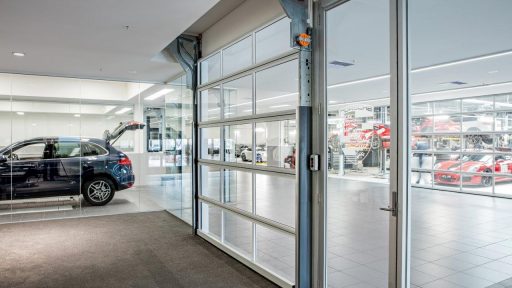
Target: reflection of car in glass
473 164
261 155
67 166
239 148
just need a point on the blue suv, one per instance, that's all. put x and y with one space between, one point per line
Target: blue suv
67 166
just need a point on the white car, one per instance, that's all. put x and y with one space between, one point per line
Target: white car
261 154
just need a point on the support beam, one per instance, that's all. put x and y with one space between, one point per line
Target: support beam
186 50
298 12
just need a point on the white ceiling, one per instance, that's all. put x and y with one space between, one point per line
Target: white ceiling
89 39
440 32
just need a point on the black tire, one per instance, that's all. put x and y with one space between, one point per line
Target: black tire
101 197
487 180
244 158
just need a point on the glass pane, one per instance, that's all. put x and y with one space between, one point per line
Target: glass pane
273 40
238 189
272 95
210 182
446 143
358 88
477 143
503 121
457 238
425 108
447 107
477 122
275 251
210 69
210 104
503 143
178 147
238 233
502 185
237 56
503 164
446 123
210 143
238 143
275 198
503 102
478 104
211 220
238 97
275 143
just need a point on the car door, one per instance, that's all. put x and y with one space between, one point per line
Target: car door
67 169
27 169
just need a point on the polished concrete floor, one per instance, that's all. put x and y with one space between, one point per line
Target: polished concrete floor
152 249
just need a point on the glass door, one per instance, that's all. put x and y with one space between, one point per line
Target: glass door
360 249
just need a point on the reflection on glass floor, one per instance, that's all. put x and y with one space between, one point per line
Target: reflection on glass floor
458 240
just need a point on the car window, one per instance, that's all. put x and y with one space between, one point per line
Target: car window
31 151
89 149
66 149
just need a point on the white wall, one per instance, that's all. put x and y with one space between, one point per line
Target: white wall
247 17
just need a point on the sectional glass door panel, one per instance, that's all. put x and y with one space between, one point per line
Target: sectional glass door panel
358 140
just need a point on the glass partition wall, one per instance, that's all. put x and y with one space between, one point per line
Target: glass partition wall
247 142
77 147
460 93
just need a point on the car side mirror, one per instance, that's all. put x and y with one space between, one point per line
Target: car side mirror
3 159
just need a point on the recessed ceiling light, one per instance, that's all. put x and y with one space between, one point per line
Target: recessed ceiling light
158 94
20 113
493 71
337 63
453 83
18 54
77 115
332 102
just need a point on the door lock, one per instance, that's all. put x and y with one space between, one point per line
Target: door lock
394 204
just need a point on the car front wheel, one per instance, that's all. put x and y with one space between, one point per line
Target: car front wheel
98 191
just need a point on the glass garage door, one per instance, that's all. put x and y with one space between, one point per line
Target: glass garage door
247 130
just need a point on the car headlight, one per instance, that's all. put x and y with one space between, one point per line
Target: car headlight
437 166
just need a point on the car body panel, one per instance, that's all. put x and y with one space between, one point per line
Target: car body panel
452 170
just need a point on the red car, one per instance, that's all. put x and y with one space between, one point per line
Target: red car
473 164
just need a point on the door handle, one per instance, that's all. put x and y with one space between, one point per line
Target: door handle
394 204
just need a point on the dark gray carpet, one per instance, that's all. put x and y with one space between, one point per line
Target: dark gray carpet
152 249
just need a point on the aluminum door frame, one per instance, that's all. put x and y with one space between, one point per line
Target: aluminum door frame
400 148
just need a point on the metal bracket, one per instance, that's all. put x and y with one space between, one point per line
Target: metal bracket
297 11
185 49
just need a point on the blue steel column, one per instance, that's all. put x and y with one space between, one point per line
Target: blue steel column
297 11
